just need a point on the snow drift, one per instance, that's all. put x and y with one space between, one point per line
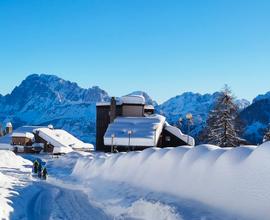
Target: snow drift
10 164
235 180
8 159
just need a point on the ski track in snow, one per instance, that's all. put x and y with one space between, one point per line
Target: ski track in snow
42 201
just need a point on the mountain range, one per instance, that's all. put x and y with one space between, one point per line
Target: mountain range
47 99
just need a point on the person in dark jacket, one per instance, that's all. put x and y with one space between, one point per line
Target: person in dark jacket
35 166
39 170
44 173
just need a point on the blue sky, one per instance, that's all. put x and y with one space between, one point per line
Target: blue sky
162 47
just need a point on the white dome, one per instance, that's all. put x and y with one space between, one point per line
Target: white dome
9 125
50 126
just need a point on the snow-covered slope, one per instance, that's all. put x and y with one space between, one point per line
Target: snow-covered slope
235 180
10 167
47 99
256 118
197 104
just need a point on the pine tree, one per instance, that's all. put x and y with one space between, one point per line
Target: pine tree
267 136
1 131
221 123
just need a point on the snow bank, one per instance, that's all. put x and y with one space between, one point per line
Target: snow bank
64 165
150 210
235 180
10 164
4 146
5 185
8 159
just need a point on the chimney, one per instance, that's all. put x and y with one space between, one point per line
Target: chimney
9 128
112 109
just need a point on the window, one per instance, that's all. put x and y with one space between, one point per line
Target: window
168 138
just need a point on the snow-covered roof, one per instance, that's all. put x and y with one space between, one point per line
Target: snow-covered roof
150 107
23 134
133 99
178 133
130 99
108 103
145 131
62 141
9 125
7 138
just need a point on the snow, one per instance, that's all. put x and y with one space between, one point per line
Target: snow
9 159
10 165
128 99
149 107
5 185
235 180
24 129
145 131
142 209
62 141
9 125
202 182
133 99
4 146
178 133
25 135
23 196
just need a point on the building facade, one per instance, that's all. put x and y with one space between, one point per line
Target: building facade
130 124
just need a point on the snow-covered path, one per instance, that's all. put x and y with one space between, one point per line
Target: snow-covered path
44 201
63 197
71 193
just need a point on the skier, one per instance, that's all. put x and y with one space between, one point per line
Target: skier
35 166
39 170
44 173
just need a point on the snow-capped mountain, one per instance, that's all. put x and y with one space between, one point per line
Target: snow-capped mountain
256 118
262 97
197 104
47 99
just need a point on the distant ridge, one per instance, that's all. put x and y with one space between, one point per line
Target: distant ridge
43 99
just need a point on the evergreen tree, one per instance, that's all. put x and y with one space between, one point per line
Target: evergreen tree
1 131
221 123
267 136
